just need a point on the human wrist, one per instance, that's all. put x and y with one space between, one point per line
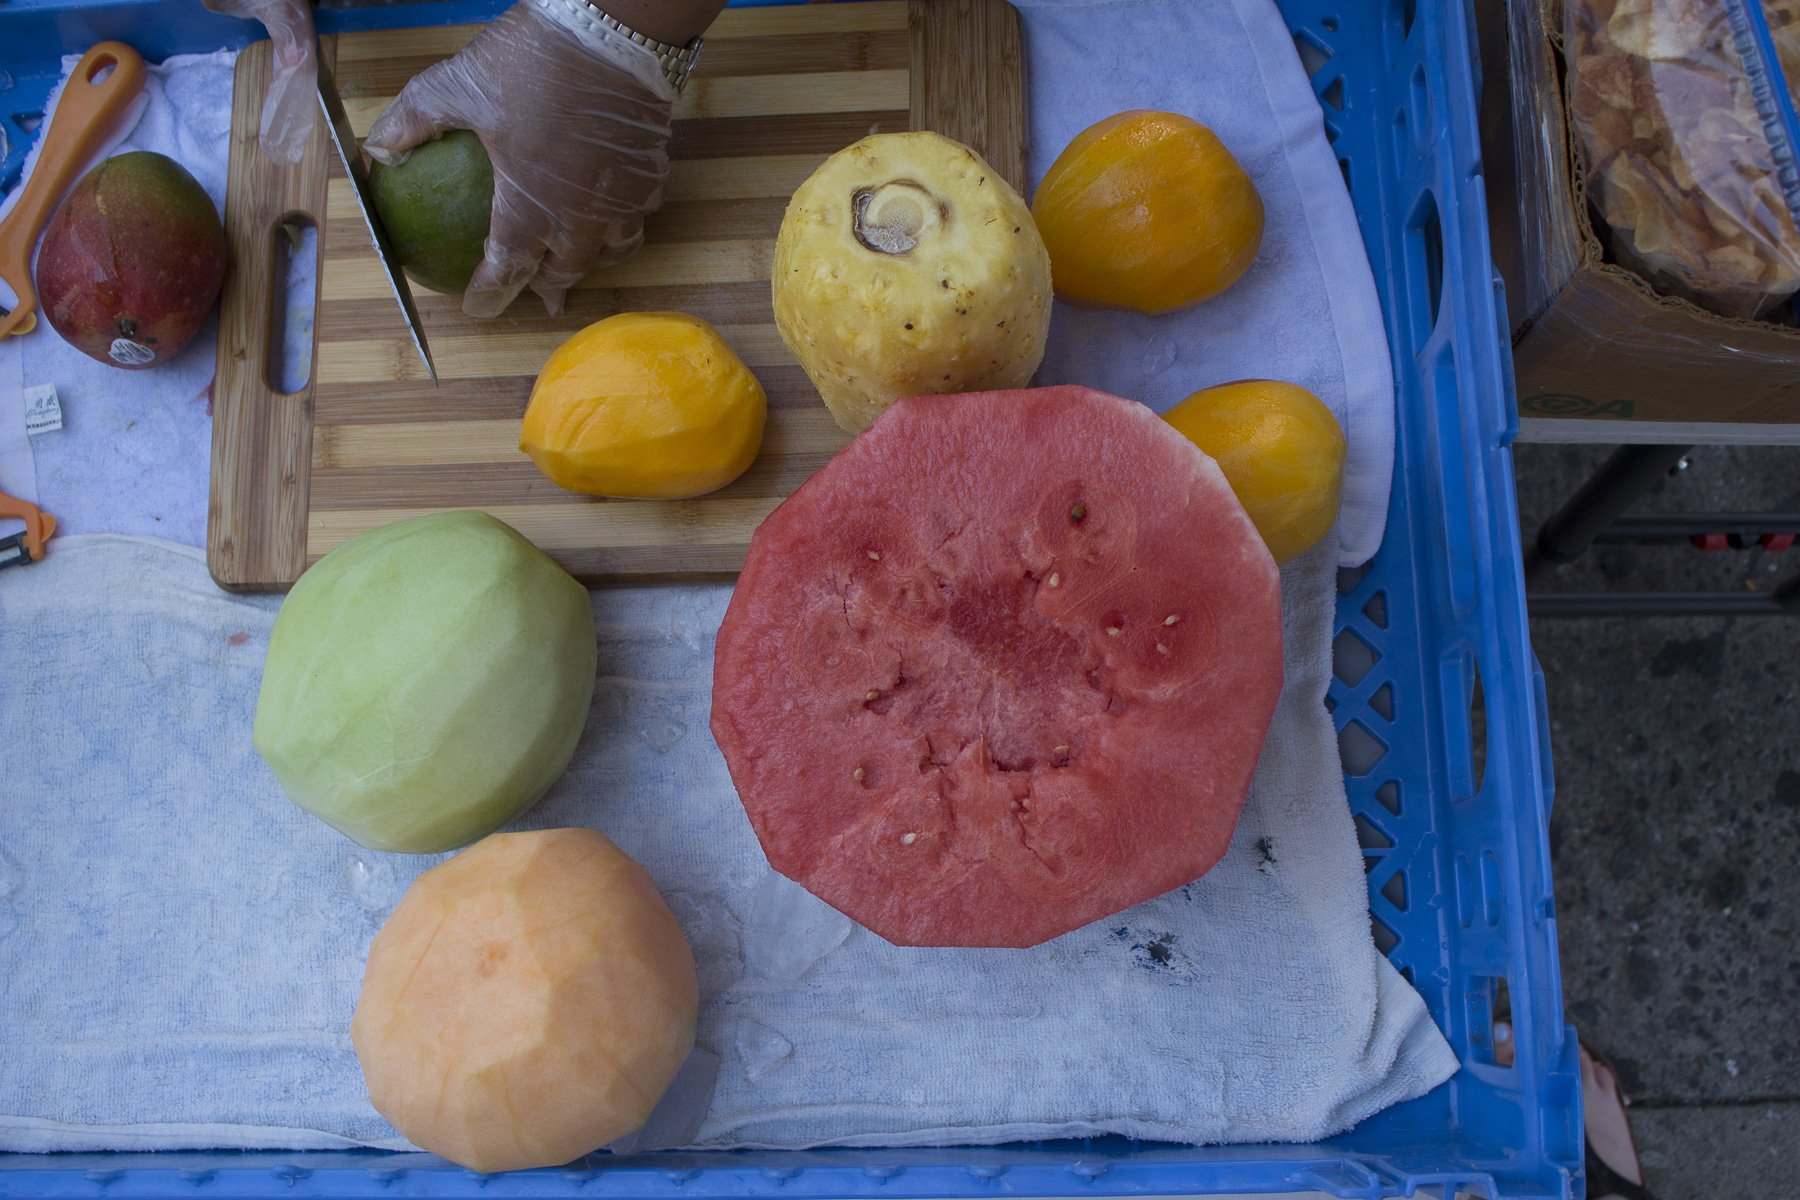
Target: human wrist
586 23
675 21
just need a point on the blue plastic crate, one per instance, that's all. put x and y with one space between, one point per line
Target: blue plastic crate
1459 878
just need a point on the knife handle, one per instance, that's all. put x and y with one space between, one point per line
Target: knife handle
85 117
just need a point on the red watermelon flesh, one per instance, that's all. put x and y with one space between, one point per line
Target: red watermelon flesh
1001 668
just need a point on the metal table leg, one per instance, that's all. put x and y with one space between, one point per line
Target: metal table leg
1626 474
1783 601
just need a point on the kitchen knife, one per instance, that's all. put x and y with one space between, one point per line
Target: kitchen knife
341 135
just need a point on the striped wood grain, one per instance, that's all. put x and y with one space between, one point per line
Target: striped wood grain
778 90
262 440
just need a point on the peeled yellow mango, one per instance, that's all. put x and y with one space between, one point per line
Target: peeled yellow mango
1280 449
1149 211
652 406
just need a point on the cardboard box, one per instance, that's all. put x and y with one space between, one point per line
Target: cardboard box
1597 354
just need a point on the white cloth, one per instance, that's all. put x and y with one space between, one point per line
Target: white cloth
1250 1005
135 448
180 947
1306 311
18 468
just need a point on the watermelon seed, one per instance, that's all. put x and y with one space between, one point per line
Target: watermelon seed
1170 620
873 695
1062 750
1055 579
1113 631
857 774
875 555
907 839
1078 512
1161 649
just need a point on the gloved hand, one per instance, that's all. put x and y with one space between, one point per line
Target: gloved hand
579 142
292 104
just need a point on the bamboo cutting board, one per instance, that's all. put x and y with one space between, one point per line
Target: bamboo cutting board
370 440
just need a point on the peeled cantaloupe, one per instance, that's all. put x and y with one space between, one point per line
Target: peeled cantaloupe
529 1001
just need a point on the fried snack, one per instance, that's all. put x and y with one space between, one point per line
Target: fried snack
1783 17
1674 150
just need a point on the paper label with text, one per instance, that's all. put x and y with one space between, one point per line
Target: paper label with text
43 410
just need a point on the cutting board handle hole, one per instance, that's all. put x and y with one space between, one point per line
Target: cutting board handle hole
294 271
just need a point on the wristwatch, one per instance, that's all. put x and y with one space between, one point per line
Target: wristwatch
676 61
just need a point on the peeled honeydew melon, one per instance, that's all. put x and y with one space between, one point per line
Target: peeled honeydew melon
426 682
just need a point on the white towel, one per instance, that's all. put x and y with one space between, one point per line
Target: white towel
1306 311
180 947
135 447
18 468
210 936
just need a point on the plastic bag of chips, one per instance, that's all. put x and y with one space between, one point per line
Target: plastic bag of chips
1683 147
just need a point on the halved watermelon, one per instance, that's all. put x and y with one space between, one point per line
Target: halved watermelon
1001 668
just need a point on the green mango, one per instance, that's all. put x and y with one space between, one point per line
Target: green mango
436 207
426 682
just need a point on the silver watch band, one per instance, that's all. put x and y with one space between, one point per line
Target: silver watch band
677 62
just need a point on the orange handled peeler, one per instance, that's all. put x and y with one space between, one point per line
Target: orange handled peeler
22 548
85 117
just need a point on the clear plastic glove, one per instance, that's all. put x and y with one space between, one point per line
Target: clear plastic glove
292 104
579 146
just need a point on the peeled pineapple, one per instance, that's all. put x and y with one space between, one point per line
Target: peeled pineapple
907 266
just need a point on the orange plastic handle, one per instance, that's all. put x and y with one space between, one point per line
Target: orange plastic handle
85 117
39 525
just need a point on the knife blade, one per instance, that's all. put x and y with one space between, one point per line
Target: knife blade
338 122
